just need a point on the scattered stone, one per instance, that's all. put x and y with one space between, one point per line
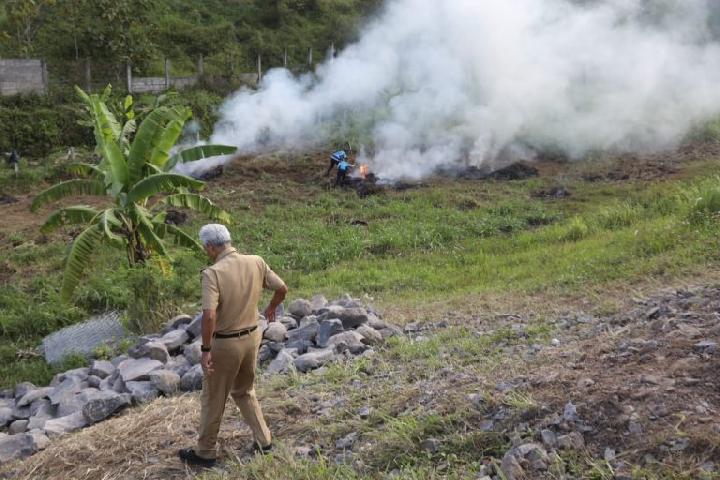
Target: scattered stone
510 467
573 440
347 442
555 342
192 380
276 332
570 413
549 438
264 354
706 346
431 445
364 413
138 369
351 317
300 308
166 381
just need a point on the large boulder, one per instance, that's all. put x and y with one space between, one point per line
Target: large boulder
195 327
275 332
288 321
192 352
350 340
301 346
313 360
351 317
300 308
23 445
142 392
138 369
166 381
33 395
18 426
153 350
318 302
178 364
308 332
282 363
104 405
22 388
66 424
327 329
178 321
370 335
192 380
174 340
6 416
69 386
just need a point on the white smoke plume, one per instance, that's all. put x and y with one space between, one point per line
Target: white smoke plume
437 83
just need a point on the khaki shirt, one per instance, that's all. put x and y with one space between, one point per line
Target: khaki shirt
233 286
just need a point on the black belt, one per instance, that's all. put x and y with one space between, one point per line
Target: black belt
241 333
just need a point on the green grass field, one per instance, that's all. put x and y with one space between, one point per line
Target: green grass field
444 243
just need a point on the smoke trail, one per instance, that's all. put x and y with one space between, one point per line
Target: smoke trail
468 82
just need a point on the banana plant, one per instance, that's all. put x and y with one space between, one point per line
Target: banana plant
135 176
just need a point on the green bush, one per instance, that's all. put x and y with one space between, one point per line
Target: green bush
576 230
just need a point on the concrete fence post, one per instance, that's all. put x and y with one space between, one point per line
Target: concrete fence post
285 58
332 52
310 58
44 73
167 74
259 67
128 77
88 76
201 65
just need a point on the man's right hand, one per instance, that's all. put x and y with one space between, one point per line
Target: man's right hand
270 314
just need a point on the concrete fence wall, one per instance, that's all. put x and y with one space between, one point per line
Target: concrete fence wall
22 76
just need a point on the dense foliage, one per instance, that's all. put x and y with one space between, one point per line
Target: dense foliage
226 32
135 175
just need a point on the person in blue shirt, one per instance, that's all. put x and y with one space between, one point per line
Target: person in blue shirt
335 160
344 168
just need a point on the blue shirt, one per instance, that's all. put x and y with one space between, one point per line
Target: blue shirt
339 155
343 165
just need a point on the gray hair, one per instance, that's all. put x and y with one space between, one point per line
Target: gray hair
214 234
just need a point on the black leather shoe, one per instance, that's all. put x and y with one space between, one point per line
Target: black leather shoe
189 456
264 450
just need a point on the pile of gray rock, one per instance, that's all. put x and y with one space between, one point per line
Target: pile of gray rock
311 334
315 332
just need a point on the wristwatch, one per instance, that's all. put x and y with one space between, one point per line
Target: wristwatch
204 348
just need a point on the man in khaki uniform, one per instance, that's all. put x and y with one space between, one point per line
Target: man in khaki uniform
231 290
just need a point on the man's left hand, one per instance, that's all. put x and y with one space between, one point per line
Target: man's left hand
207 363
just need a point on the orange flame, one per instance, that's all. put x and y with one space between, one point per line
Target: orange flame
364 170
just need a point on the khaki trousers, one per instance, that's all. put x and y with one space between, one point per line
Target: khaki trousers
234 362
